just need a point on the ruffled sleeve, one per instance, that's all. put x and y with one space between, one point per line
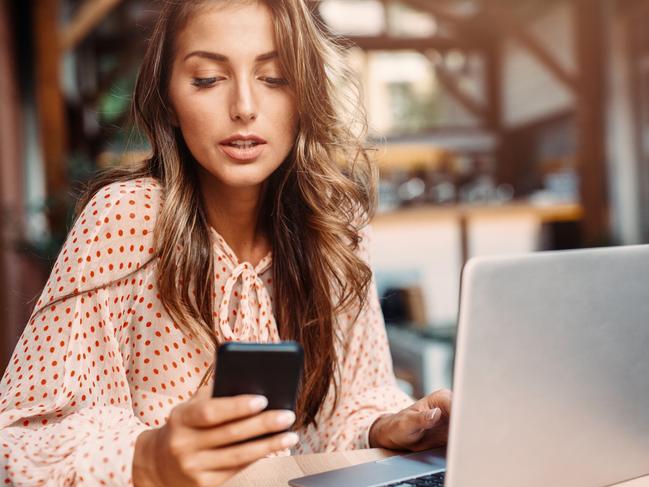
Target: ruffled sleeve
368 387
66 416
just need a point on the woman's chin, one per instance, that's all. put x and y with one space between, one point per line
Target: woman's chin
238 175
242 177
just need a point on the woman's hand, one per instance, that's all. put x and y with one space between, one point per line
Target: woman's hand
199 444
419 427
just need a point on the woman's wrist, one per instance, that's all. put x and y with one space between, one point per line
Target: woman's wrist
144 474
376 435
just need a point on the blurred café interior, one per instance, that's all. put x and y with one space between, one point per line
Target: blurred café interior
500 126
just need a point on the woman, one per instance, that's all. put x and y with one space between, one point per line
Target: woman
241 226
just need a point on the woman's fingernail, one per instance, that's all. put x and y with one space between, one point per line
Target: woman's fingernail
434 414
258 403
290 439
285 418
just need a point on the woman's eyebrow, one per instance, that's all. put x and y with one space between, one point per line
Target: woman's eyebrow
214 56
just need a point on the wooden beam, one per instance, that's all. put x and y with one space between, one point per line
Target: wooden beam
48 93
387 43
10 182
591 122
634 21
506 162
503 18
90 14
386 16
494 83
450 84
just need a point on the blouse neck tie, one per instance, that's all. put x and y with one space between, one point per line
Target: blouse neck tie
251 323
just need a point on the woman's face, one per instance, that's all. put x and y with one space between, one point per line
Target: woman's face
231 101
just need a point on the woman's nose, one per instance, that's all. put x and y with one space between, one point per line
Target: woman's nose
244 107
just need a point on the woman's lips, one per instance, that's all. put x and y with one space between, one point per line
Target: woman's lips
242 154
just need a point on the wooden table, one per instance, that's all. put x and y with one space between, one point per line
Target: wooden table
276 472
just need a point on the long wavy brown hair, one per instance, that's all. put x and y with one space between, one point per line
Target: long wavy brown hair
318 199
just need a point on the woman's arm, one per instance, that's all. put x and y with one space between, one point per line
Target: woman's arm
65 401
65 408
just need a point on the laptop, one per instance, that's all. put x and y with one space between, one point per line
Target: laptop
551 380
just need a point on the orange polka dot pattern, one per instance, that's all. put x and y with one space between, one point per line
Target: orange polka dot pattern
94 370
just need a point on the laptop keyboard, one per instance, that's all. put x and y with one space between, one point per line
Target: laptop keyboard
432 480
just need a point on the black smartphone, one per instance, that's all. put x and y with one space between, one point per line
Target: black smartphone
273 370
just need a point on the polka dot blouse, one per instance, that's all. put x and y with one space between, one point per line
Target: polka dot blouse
96 368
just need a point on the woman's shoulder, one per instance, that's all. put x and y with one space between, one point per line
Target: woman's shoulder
110 239
118 203
137 193
120 213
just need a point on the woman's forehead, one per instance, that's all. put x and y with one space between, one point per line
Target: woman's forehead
237 30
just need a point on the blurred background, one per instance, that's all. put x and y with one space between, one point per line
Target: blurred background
501 125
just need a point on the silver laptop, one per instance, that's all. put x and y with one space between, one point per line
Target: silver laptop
551 377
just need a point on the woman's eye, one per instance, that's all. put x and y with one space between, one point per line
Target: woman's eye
205 82
275 81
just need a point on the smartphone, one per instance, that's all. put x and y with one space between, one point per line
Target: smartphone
273 370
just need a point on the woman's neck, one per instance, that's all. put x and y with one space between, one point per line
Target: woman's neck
236 214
